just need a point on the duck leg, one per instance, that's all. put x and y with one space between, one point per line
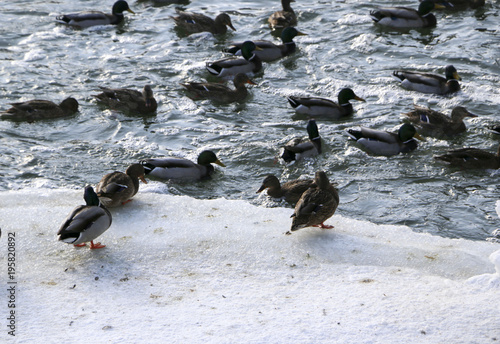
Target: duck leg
96 245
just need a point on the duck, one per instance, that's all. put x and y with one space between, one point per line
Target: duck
117 188
93 18
38 109
386 143
437 124
284 18
430 83
189 23
404 17
220 93
300 148
326 108
316 205
289 191
180 168
86 222
128 100
471 158
269 51
250 63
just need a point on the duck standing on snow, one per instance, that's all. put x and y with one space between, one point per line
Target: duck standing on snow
220 93
471 158
250 63
385 143
436 124
128 100
93 18
190 23
404 17
300 148
430 83
37 109
270 51
86 222
182 169
316 205
284 18
118 188
290 191
325 108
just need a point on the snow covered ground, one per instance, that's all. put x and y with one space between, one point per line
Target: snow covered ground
181 270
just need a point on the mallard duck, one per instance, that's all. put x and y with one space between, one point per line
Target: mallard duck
430 83
92 18
190 23
300 148
37 109
321 107
128 100
182 169
316 205
250 63
270 51
386 143
117 188
282 19
471 158
290 191
220 93
86 222
404 17
433 123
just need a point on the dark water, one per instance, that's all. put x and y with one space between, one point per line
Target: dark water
42 59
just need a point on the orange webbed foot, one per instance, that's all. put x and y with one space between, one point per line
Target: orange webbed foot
96 245
323 226
80 245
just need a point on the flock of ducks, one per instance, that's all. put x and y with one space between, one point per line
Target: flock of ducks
315 199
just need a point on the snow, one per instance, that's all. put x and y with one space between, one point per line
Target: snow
182 270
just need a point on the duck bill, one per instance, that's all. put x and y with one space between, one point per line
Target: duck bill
258 48
456 76
231 26
440 6
250 82
359 98
417 136
218 162
301 33
262 188
143 179
129 10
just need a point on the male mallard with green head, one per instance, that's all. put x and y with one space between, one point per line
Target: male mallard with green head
289 191
325 108
182 169
93 18
270 51
437 124
117 188
250 63
218 92
386 143
300 148
37 109
316 205
430 83
404 17
189 23
128 100
86 222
